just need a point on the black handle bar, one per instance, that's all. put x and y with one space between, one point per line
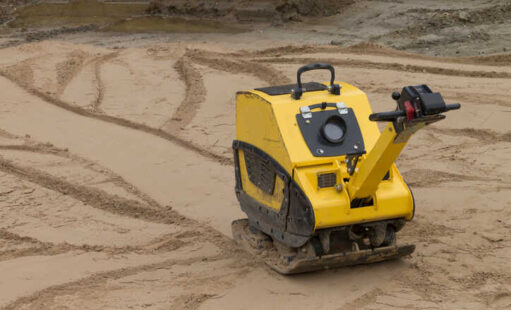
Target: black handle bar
391 116
316 66
296 93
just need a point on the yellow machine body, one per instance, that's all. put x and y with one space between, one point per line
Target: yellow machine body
316 177
269 122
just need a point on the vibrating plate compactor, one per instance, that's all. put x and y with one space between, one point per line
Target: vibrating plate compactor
316 177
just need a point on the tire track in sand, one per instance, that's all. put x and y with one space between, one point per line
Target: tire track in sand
389 66
432 178
96 198
100 84
220 62
195 93
195 89
486 136
47 295
21 71
371 48
37 247
42 148
192 233
34 246
117 120
93 197
114 204
69 68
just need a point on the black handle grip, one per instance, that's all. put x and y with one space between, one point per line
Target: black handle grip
386 116
453 106
316 66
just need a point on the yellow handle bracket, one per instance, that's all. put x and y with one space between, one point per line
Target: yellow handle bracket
371 170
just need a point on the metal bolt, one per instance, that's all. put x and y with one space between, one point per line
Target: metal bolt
320 151
355 147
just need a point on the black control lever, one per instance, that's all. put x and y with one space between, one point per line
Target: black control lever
393 115
416 103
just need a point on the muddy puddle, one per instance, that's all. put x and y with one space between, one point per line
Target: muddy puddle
74 14
115 17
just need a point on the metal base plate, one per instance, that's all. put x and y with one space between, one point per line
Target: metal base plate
260 245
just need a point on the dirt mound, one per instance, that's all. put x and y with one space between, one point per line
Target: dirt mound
290 9
249 10
440 17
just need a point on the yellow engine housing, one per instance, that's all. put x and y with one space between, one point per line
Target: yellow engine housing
294 207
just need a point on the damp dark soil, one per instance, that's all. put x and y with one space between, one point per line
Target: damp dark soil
150 24
74 14
116 17
437 28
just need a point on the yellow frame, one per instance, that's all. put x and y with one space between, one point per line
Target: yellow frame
269 123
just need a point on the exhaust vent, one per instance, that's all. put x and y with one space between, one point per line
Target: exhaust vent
260 172
327 180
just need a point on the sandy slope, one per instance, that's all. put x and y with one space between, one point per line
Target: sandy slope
129 201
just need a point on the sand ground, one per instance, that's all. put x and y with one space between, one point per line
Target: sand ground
117 184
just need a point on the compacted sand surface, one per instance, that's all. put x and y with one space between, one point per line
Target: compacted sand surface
117 183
